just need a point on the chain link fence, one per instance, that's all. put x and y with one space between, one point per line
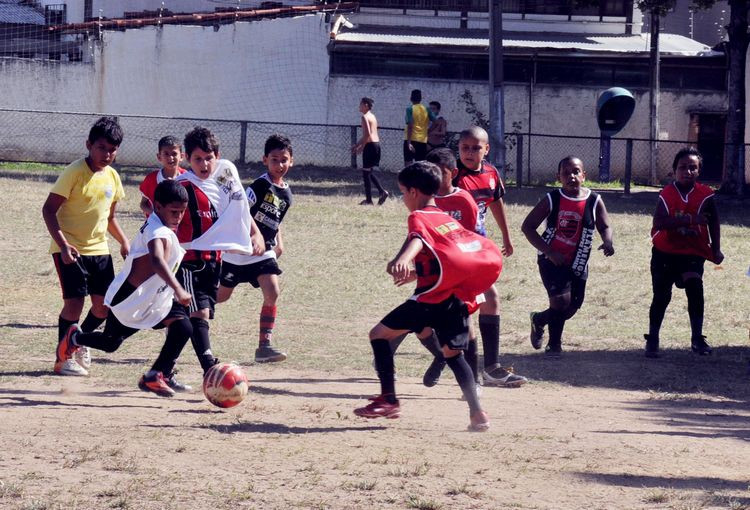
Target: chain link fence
58 137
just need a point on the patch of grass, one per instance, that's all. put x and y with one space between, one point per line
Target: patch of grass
418 503
464 489
658 496
36 504
10 490
27 166
81 456
122 464
420 469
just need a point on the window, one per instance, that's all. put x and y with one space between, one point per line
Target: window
55 14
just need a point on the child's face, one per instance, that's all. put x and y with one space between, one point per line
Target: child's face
409 197
687 171
202 163
434 109
447 175
363 108
101 153
170 214
170 157
278 162
472 151
572 175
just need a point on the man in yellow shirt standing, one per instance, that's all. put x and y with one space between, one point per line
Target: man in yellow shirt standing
417 123
79 211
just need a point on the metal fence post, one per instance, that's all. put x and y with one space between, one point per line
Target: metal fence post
628 164
353 133
243 141
519 159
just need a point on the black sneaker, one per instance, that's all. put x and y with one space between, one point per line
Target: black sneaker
383 197
366 202
537 332
432 375
553 351
176 385
268 354
700 347
652 347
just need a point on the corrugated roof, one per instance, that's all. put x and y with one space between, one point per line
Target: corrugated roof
670 44
12 12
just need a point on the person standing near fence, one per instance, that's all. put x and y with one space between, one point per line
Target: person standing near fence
438 129
417 124
369 146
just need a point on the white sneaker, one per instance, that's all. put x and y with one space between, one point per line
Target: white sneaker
502 377
82 355
70 367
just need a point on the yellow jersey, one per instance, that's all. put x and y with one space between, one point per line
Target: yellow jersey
417 115
83 217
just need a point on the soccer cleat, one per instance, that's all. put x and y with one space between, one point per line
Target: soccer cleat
66 347
268 354
553 351
176 385
70 367
379 408
480 422
502 377
701 347
652 347
432 375
366 202
537 332
156 384
383 197
82 355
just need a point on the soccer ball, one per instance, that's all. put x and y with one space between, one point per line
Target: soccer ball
225 385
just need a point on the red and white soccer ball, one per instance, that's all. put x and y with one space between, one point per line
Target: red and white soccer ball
225 385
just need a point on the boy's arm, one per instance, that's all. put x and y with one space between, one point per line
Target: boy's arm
409 127
498 211
279 248
49 212
663 221
529 226
714 229
159 264
602 225
441 127
146 207
113 227
256 238
400 266
366 134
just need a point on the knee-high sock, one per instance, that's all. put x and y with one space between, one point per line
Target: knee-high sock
201 343
694 293
381 349
62 327
542 318
465 380
109 340
267 323
556 325
91 322
368 186
659 304
376 182
432 344
178 334
489 329
472 359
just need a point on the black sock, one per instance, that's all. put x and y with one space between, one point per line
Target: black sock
178 334
91 322
465 380
201 343
384 363
368 186
396 342
431 344
556 325
659 304
472 359
109 340
541 319
489 328
62 327
376 182
696 304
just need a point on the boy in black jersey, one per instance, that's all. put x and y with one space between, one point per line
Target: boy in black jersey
270 199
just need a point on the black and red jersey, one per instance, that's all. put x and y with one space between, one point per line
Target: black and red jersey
459 205
198 218
484 185
691 239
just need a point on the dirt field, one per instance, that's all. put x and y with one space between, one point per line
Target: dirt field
602 428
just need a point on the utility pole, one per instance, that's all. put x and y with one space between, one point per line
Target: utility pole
497 109
654 94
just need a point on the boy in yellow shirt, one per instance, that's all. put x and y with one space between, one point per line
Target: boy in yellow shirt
79 211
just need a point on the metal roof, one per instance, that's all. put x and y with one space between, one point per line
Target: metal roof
670 44
11 11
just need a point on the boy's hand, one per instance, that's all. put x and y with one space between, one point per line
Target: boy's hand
718 257
556 258
398 269
182 296
507 248
700 219
69 254
607 248
412 276
259 244
124 250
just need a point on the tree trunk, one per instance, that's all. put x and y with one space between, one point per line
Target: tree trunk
733 181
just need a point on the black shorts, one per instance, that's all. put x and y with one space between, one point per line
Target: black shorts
201 279
233 274
371 155
177 311
449 319
559 280
88 275
668 268
419 152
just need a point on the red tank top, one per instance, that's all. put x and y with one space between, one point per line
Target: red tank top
459 205
690 240
148 186
454 260
569 225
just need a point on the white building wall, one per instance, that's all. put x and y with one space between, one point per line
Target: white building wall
116 9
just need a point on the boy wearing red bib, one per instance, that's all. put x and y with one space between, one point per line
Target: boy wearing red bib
572 213
452 265
685 234
169 155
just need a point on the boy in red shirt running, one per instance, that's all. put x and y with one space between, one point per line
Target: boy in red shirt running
451 265
572 213
685 233
169 155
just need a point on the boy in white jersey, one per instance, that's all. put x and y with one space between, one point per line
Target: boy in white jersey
269 198
146 294
572 213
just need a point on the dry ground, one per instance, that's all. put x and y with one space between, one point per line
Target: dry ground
601 428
